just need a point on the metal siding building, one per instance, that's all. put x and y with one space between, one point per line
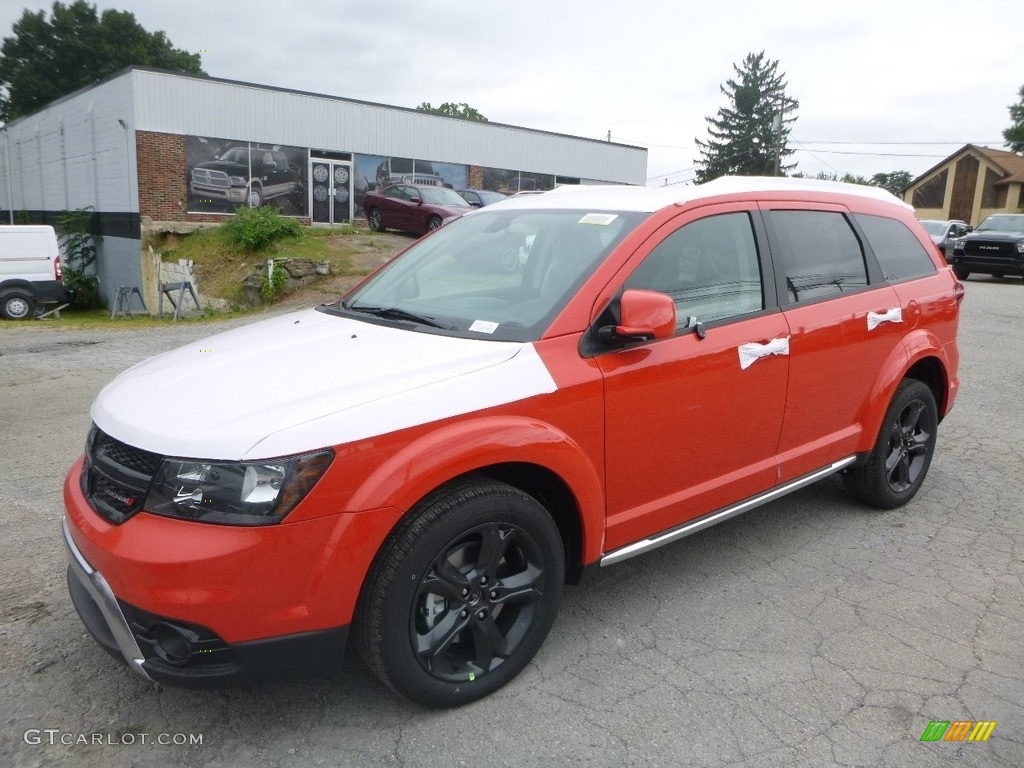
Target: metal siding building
129 146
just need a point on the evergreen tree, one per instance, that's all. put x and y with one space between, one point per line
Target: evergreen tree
47 58
1014 135
748 137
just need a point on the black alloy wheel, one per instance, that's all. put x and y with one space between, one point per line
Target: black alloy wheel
463 594
898 464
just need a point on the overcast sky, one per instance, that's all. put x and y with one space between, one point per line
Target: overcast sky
868 74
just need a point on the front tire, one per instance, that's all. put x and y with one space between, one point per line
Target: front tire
898 463
17 305
374 219
434 222
255 197
462 595
961 273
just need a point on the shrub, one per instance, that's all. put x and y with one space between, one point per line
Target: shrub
272 285
255 229
78 246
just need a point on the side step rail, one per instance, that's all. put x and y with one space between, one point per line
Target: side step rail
687 529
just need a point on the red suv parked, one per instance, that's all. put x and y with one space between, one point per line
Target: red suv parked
426 463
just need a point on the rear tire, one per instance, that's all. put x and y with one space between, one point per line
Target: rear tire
462 595
899 461
17 305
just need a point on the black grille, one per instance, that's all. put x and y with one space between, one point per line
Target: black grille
116 477
136 459
999 248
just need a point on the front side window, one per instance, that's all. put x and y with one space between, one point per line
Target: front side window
709 267
818 253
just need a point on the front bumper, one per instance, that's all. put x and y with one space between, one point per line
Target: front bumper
231 194
207 605
99 609
989 265
174 653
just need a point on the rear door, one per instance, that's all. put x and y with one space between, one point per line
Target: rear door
843 325
693 421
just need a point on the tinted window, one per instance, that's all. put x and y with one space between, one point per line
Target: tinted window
818 254
899 253
709 267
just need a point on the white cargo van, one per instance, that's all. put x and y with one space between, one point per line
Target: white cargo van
29 270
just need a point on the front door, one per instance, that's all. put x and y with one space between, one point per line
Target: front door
693 422
330 191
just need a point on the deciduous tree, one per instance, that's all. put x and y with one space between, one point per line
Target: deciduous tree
47 57
1014 135
451 109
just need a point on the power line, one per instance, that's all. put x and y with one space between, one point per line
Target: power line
883 143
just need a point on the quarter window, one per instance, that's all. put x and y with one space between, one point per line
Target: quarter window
818 254
899 253
709 267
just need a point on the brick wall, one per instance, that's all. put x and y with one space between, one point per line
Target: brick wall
163 192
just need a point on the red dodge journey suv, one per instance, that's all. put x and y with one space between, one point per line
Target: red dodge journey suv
549 384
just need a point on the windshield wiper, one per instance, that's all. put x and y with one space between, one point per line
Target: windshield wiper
395 313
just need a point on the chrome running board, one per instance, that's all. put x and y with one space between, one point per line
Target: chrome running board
646 545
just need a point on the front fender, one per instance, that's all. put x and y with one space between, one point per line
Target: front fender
443 454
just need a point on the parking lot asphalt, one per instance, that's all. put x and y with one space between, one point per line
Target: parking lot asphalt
809 632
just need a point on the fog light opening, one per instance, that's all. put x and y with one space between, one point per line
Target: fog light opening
173 644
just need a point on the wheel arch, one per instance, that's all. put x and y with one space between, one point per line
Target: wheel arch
921 356
535 457
17 284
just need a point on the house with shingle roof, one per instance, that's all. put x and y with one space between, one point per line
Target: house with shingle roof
972 183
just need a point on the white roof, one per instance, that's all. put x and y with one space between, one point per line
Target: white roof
648 199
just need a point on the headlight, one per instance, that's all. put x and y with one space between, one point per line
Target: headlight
237 181
1020 247
234 492
958 244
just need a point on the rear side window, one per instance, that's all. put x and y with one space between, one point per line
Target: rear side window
818 253
899 253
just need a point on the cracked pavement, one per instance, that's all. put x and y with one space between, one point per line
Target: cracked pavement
812 631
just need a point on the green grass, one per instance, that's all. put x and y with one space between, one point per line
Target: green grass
95 319
222 266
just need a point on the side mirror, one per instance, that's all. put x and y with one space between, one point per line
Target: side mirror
644 316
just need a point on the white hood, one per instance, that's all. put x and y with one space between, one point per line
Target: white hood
305 381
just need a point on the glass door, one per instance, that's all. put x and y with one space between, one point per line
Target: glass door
330 191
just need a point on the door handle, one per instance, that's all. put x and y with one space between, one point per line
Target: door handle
875 319
751 353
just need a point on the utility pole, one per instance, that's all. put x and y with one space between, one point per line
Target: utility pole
777 128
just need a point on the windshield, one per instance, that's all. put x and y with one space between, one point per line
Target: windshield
236 155
500 275
934 227
442 196
1007 222
490 197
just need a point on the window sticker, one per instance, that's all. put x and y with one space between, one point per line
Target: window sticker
483 326
601 219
